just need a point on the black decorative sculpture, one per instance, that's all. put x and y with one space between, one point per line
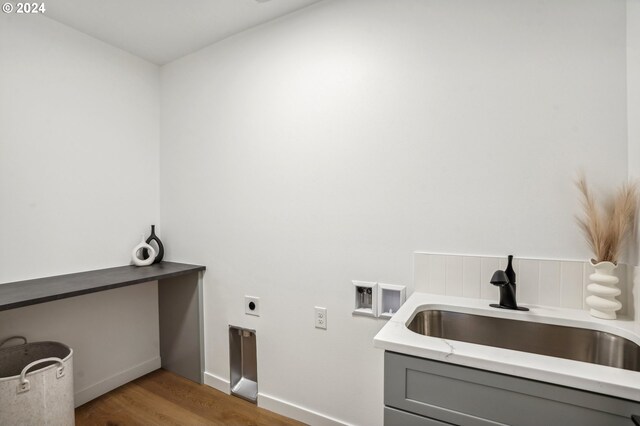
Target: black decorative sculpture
160 251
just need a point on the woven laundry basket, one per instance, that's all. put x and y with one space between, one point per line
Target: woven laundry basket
36 384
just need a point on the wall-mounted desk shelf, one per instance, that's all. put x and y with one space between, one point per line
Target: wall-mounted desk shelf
30 292
179 305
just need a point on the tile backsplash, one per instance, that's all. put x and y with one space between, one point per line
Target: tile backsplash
560 283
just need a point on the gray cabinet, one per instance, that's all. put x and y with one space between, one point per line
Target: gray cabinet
418 391
399 417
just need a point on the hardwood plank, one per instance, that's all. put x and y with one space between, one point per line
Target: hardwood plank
30 292
163 398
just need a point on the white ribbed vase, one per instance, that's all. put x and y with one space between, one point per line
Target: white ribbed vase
603 291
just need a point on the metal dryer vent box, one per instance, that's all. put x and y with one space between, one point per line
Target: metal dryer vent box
243 363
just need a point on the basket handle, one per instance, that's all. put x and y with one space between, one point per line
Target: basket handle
13 337
24 385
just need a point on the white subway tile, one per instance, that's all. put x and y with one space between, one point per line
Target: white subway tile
587 270
503 262
471 274
549 289
454 275
539 282
437 274
488 265
623 285
630 297
421 272
528 282
572 284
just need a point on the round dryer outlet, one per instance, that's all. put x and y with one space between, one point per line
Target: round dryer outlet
252 305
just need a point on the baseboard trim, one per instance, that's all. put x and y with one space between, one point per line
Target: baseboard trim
110 383
277 405
297 412
217 382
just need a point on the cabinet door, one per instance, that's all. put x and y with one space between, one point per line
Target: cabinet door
470 397
393 417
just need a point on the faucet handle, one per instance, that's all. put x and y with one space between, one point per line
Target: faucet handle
499 278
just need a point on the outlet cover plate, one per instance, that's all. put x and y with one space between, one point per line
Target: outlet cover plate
252 305
321 317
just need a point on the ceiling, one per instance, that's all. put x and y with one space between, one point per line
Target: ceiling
164 30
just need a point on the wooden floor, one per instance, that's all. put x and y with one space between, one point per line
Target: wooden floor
164 398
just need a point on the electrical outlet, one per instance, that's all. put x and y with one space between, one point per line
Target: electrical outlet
321 318
252 305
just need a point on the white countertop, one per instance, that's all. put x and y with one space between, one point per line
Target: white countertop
396 337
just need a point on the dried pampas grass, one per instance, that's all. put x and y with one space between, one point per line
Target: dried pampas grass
606 229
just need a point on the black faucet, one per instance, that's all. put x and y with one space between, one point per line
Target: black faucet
506 280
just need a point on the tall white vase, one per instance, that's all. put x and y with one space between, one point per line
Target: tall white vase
603 291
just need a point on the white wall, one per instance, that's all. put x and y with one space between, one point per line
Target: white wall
633 85
79 164
78 186
633 118
633 95
331 144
